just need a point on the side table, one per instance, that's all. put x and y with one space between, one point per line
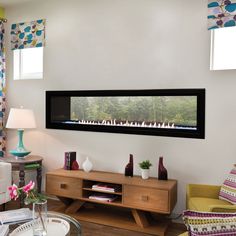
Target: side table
21 165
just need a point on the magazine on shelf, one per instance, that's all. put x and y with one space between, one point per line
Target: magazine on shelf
15 216
104 198
4 230
107 187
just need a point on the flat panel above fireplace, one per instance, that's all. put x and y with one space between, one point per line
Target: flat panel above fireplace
167 112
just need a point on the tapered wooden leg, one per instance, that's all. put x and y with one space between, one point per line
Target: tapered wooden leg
22 183
65 200
74 206
140 218
60 208
39 177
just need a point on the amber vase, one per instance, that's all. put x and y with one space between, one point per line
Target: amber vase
129 168
162 171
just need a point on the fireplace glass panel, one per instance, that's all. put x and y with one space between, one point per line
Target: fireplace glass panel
176 112
149 112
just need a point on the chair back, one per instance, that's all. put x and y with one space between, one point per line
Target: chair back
5 181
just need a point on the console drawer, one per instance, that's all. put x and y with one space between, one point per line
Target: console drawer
146 198
64 186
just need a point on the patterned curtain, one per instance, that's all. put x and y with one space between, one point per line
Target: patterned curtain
221 13
2 91
28 35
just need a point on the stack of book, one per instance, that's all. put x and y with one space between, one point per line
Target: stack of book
15 216
102 197
70 157
107 187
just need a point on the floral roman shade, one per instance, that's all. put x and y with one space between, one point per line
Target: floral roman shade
28 34
221 13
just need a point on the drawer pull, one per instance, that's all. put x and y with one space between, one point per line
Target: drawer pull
144 198
63 186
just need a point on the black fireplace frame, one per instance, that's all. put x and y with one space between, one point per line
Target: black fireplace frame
199 133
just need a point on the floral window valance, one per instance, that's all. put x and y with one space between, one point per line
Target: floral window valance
221 13
28 34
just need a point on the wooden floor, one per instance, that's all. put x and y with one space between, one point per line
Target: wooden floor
90 229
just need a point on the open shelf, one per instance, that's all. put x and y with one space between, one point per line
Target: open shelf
87 192
102 191
88 189
117 202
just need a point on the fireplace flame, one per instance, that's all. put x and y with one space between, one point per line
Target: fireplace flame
127 123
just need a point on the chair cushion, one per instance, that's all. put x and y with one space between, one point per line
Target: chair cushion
184 234
228 189
204 204
210 223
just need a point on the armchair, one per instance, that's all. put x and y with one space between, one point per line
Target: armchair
5 182
201 197
205 198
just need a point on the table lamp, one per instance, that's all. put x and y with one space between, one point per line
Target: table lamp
20 119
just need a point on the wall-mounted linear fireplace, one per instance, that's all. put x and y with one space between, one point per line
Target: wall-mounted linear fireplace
166 112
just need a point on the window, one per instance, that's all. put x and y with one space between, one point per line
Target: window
223 48
28 63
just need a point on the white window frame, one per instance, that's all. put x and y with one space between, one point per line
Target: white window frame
18 67
213 65
212 50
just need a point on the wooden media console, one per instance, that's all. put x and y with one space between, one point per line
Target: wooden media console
132 202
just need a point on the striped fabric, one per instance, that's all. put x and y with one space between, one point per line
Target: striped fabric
210 223
228 189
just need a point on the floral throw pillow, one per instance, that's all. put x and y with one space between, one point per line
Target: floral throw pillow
228 189
210 223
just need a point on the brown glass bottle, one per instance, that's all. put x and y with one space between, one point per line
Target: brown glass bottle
162 171
129 168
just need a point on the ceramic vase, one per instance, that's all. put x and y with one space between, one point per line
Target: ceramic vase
40 218
145 173
87 165
129 168
162 171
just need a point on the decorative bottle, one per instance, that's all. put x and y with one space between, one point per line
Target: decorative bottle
162 171
129 168
87 165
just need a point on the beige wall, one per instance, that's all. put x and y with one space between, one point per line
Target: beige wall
129 44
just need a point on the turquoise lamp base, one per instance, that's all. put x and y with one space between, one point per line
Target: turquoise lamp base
20 151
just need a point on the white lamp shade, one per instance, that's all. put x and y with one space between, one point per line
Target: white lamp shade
21 119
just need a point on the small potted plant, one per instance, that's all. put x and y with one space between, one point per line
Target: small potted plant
145 166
